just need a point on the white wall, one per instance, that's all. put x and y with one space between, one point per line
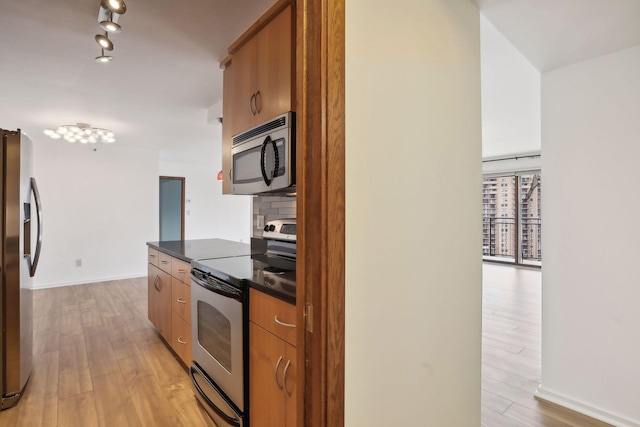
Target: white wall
98 206
591 292
102 206
208 213
413 242
510 97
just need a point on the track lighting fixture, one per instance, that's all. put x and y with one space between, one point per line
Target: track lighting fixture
116 6
109 14
110 26
104 41
109 20
103 57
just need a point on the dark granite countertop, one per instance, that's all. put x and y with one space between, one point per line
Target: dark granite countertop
190 250
272 275
280 288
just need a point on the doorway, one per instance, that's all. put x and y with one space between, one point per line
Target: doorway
171 208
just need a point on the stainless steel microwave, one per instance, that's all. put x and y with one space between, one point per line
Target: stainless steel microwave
264 157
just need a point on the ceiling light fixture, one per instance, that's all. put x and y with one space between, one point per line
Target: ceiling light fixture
116 6
108 15
104 41
110 26
83 133
103 57
108 20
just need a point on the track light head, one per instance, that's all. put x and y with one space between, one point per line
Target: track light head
104 58
115 6
104 42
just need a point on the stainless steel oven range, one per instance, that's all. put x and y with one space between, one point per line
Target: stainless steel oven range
220 326
220 343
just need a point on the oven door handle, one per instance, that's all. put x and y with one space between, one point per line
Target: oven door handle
235 294
228 419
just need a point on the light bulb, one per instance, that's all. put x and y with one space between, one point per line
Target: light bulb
116 6
111 26
104 41
104 58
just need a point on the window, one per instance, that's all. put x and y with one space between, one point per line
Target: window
514 235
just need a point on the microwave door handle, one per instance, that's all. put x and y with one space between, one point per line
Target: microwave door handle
263 169
276 165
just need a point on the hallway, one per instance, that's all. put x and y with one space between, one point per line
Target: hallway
511 339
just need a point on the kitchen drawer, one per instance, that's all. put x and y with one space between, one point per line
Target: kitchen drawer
181 338
181 299
164 262
153 256
274 315
181 270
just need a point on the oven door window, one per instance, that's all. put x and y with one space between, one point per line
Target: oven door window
214 334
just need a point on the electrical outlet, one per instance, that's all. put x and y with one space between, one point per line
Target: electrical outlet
260 221
79 262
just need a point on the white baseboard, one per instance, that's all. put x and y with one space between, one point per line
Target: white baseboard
84 282
583 408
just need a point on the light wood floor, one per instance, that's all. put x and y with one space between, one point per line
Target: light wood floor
511 353
99 362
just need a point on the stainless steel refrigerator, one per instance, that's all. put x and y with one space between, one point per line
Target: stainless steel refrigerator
19 259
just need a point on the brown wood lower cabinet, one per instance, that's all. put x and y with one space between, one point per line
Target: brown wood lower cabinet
272 361
272 390
169 303
159 302
181 338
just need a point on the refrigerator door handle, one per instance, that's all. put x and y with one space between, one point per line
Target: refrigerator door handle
36 255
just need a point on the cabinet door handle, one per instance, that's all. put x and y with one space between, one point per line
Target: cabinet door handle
251 104
184 342
280 322
258 102
152 256
164 261
181 271
181 301
155 283
275 372
284 378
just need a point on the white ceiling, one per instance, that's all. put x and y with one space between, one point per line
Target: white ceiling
165 74
156 92
555 33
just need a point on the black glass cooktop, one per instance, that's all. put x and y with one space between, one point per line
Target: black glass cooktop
270 274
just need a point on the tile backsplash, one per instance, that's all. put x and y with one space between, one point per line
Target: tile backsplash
272 207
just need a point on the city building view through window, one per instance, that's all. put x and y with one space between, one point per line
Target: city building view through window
511 223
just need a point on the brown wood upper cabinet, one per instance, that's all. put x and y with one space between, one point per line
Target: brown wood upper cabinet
259 78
